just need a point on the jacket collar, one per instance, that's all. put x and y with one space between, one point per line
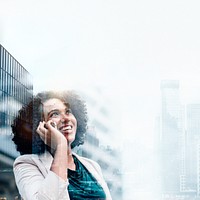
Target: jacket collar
47 159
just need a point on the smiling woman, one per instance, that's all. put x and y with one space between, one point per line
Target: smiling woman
45 132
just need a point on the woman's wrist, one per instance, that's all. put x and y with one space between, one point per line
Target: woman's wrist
59 165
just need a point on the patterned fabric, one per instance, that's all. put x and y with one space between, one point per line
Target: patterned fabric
82 184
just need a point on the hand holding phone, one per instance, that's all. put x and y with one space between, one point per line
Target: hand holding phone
52 124
49 133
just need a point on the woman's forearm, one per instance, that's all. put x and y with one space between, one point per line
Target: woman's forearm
59 164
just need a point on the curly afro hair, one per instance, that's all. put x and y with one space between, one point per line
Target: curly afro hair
24 126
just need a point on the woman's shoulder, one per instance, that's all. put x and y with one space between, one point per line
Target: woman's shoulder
26 158
33 159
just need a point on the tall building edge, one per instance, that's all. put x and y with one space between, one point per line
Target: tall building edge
16 90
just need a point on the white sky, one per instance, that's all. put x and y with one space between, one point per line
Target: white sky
126 47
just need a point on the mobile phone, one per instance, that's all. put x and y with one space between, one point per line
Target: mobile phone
52 124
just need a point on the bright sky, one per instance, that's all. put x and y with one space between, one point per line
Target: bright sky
125 47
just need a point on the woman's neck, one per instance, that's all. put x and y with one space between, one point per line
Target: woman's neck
70 164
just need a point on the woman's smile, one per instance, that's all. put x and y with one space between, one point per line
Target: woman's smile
61 114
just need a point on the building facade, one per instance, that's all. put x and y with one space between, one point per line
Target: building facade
179 145
172 138
192 147
16 90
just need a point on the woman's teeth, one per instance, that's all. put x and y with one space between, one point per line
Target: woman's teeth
67 128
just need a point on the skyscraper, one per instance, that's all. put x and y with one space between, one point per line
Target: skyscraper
16 89
172 137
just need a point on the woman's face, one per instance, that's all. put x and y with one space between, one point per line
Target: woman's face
60 113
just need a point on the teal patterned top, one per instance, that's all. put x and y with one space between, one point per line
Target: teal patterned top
83 185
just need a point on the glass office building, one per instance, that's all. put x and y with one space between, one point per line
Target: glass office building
16 90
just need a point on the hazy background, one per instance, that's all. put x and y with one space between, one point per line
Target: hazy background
124 47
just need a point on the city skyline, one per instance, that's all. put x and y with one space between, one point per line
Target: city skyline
169 155
141 147
124 47
174 84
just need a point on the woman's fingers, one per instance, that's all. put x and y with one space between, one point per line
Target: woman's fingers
49 133
42 135
51 124
38 130
43 132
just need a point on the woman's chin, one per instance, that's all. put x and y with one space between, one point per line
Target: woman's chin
69 135
69 138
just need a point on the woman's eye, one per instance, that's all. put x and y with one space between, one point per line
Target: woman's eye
68 111
54 114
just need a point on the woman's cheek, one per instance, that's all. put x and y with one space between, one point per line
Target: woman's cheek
58 122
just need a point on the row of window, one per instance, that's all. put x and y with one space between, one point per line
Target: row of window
5 120
13 88
12 67
9 105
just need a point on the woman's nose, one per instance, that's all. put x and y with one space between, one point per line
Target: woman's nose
64 117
